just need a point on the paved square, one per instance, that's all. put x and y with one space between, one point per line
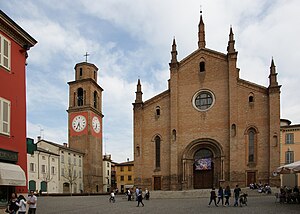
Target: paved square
99 204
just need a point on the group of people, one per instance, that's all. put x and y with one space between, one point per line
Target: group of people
226 193
261 188
289 195
19 204
138 195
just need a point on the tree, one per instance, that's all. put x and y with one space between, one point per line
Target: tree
70 175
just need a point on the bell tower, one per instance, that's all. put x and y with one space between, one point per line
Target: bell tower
85 123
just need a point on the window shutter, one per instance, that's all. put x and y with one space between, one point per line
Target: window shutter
1 38
5 116
6 53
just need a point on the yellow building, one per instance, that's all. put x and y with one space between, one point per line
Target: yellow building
124 174
289 150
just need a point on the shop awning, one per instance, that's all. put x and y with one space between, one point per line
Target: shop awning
12 175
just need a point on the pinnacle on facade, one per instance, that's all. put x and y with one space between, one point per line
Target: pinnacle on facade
231 42
174 52
201 33
139 93
273 75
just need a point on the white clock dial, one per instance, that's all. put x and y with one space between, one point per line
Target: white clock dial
78 123
96 124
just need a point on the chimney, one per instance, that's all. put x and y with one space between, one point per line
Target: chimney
39 138
65 145
127 159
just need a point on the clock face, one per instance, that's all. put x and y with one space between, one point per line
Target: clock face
96 124
78 123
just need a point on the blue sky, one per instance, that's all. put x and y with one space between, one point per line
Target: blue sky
130 39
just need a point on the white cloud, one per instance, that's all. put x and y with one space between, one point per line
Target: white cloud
132 39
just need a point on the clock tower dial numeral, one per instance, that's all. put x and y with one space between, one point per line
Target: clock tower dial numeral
79 123
96 124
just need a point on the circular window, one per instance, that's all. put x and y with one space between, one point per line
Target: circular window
203 100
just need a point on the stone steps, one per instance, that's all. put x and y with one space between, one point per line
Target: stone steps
200 193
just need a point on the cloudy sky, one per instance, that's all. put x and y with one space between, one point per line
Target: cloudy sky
132 39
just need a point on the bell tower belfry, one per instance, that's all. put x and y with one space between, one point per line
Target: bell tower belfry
85 124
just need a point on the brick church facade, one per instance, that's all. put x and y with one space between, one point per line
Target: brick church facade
209 127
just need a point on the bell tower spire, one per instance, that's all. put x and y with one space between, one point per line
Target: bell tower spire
201 32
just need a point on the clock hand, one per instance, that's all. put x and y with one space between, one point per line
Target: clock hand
78 126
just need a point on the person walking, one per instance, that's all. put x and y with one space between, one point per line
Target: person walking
32 200
236 192
227 194
129 194
21 203
136 193
220 196
140 197
213 197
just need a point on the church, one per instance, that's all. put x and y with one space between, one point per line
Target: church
210 127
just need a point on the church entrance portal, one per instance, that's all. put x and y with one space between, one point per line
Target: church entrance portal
203 169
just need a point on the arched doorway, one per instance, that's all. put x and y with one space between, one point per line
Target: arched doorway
66 187
44 186
193 177
32 185
203 169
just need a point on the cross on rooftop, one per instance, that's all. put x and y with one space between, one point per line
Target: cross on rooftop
86 56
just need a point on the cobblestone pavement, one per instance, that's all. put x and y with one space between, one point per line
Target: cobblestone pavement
100 204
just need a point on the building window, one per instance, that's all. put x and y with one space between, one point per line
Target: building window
31 167
95 75
129 178
202 66
157 111
52 170
53 160
122 178
62 172
4 116
251 146
129 168
289 138
62 159
108 181
157 152
174 135
289 157
43 158
251 99
80 71
79 174
203 100
79 161
122 169
107 164
5 47
79 97
43 169
95 99
74 161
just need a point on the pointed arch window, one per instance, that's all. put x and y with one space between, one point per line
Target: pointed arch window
95 99
251 145
157 152
79 97
202 66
